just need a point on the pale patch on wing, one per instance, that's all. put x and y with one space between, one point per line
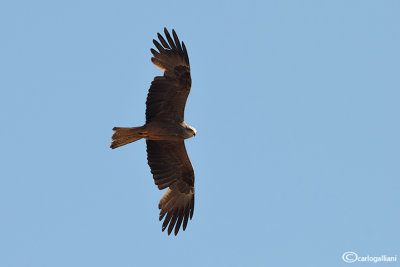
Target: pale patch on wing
158 64
162 69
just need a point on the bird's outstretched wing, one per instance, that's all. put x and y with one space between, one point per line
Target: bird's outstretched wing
167 95
171 167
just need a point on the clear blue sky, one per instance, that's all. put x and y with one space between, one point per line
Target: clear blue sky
297 109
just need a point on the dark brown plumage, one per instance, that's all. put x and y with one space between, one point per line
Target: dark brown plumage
165 131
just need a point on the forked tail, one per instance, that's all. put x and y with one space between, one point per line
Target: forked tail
126 135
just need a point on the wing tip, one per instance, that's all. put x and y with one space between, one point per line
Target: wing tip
169 46
178 208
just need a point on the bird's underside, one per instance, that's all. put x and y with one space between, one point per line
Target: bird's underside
165 131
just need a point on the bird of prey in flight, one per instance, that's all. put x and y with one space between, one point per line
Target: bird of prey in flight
165 131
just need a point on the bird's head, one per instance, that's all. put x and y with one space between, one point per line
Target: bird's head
191 130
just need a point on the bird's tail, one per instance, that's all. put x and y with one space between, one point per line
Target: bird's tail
126 135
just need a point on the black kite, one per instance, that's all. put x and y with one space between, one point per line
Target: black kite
165 131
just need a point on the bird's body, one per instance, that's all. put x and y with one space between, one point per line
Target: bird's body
159 130
165 131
